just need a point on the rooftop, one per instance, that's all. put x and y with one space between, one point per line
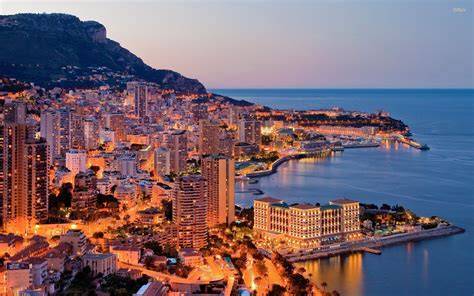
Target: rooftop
330 207
343 201
268 199
98 256
305 206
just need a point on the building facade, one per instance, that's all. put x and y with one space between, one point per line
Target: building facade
304 226
177 144
161 162
76 161
24 177
101 263
190 211
209 137
219 171
141 100
250 131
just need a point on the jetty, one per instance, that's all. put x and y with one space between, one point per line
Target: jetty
410 142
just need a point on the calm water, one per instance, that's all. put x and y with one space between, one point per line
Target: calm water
436 182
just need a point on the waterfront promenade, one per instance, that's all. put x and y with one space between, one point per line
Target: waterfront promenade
274 165
372 244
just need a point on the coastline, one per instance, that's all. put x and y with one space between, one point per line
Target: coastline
373 245
274 166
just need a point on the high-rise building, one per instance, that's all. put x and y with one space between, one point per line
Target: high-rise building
63 129
141 100
65 116
37 179
219 171
24 174
162 163
250 131
177 144
190 211
77 131
209 137
49 130
226 143
91 133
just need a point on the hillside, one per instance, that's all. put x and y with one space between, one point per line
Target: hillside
54 49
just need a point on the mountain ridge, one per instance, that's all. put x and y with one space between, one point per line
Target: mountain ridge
42 48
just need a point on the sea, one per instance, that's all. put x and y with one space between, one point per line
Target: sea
436 182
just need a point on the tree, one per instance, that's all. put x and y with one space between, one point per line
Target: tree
122 286
324 285
277 290
82 283
148 261
170 251
95 169
154 246
97 235
298 284
106 200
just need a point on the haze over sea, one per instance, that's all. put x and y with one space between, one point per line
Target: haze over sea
435 182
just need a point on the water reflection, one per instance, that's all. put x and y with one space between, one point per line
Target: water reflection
342 273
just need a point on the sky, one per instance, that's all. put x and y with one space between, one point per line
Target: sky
290 44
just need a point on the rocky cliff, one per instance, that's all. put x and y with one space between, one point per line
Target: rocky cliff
40 48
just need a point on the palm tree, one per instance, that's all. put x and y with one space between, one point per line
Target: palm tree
324 285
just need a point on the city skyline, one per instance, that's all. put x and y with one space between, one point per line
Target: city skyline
304 45
117 178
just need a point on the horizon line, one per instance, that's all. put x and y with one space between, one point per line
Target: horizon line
340 88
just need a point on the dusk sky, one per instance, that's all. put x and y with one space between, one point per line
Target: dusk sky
310 44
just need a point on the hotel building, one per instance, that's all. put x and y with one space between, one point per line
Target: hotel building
304 226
